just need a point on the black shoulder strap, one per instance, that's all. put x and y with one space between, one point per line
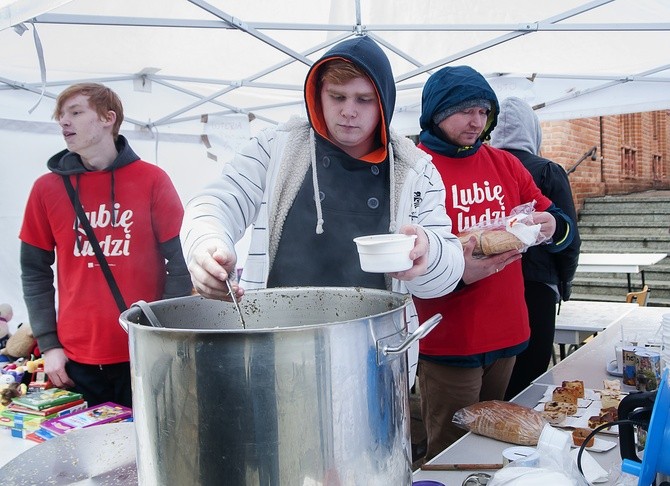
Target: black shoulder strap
95 245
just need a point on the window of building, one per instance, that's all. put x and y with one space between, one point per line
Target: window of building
628 147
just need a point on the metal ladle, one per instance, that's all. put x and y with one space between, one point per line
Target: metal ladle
237 305
148 313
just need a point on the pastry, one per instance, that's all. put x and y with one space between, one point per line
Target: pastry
610 414
606 416
612 385
595 421
579 436
564 394
577 385
566 408
608 400
554 417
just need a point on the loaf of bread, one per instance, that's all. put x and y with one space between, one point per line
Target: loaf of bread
504 421
579 435
492 242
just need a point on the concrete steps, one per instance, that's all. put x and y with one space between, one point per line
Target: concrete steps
634 223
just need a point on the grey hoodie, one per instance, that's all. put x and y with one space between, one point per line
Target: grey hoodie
518 127
518 132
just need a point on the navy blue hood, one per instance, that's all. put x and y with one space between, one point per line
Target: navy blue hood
366 54
448 87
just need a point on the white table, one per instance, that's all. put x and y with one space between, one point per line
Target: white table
627 263
578 319
10 447
588 363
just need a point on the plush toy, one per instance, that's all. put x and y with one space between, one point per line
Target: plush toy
21 344
6 315
10 385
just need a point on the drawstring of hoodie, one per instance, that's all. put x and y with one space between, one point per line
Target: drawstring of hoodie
317 192
315 183
392 215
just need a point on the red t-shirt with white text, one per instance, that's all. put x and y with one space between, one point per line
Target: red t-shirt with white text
149 212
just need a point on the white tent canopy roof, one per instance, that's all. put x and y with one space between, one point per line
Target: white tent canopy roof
172 61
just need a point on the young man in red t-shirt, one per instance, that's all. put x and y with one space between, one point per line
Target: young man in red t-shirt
135 214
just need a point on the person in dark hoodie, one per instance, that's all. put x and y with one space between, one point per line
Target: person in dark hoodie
367 180
547 276
470 354
135 214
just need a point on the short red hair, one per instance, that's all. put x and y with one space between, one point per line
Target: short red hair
101 98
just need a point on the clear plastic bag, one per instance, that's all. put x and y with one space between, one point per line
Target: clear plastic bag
517 231
555 466
505 421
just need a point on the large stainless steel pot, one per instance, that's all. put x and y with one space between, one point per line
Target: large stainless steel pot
313 392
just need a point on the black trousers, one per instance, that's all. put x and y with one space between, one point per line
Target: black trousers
101 383
534 360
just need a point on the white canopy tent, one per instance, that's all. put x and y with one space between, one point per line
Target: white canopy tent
173 61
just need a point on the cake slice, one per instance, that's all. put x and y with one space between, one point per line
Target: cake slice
612 385
610 400
576 385
554 417
564 394
566 408
579 435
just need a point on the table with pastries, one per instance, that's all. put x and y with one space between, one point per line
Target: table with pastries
589 364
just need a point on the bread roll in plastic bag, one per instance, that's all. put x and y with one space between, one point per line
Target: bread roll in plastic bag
505 421
517 231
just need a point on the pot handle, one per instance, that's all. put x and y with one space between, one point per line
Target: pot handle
420 332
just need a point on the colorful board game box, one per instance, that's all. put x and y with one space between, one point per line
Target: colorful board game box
41 399
51 411
100 414
28 421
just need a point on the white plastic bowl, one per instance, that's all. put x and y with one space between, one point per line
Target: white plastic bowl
385 253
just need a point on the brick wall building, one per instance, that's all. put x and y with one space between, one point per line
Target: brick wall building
631 152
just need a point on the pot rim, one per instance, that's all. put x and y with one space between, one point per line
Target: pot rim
404 301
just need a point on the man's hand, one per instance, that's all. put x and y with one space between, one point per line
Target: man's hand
479 268
547 224
210 270
418 254
54 367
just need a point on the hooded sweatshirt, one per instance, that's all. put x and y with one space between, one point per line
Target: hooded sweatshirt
354 194
488 318
136 214
259 186
284 167
519 133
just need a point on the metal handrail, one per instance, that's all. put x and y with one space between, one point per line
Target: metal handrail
589 153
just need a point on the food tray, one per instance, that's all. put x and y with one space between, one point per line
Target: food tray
587 407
